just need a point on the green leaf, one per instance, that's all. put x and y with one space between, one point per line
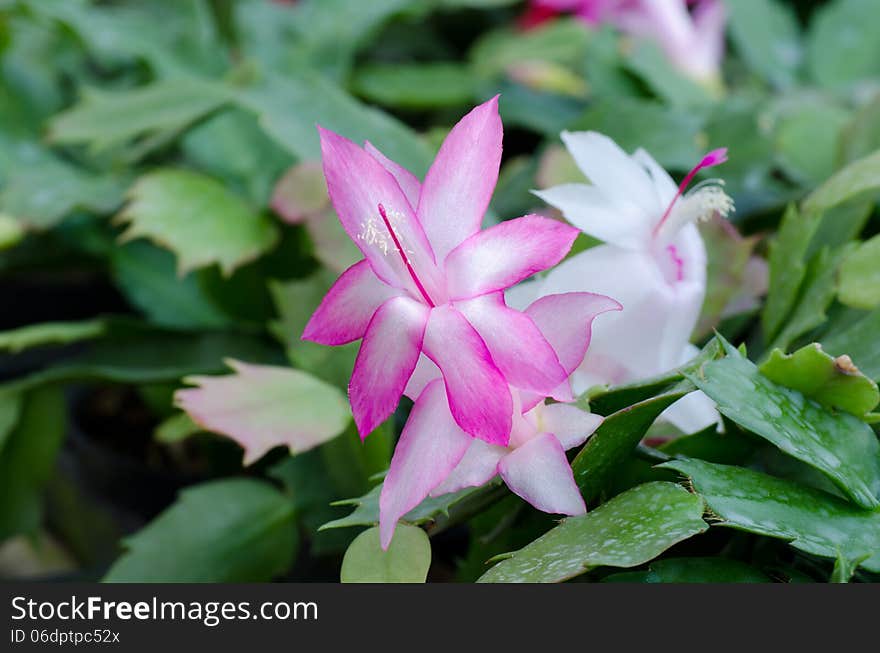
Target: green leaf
604 401
787 267
616 438
105 120
629 530
859 341
40 194
416 86
808 139
844 568
140 355
648 61
840 446
27 459
228 531
10 411
858 177
860 276
670 135
727 254
406 561
767 36
862 135
561 42
51 333
176 429
265 406
147 276
811 520
844 43
692 570
817 292
295 302
196 218
289 107
833 382
366 511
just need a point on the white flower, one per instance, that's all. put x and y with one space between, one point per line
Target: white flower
652 261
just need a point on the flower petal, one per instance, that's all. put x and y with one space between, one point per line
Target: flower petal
518 347
571 425
498 257
566 320
408 182
357 185
479 396
613 220
612 170
459 185
424 373
539 472
430 446
385 361
476 468
348 306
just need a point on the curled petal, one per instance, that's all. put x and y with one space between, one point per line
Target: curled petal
479 397
518 347
430 446
348 306
385 361
459 185
498 257
539 472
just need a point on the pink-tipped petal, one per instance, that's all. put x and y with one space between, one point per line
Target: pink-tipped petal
430 447
348 306
385 361
566 320
425 372
539 472
498 257
358 184
571 425
408 182
459 185
516 344
477 467
479 396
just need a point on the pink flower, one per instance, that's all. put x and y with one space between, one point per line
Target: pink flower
432 282
692 40
434 456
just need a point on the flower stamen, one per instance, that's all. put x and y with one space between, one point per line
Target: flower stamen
400 250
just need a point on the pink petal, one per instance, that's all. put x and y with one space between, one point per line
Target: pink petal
518 348
479 396
408 182
476 468
539 472
498 257
459 185
348 306
430 446
358 185
566 320
571 425
424 373
385 361
263 406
